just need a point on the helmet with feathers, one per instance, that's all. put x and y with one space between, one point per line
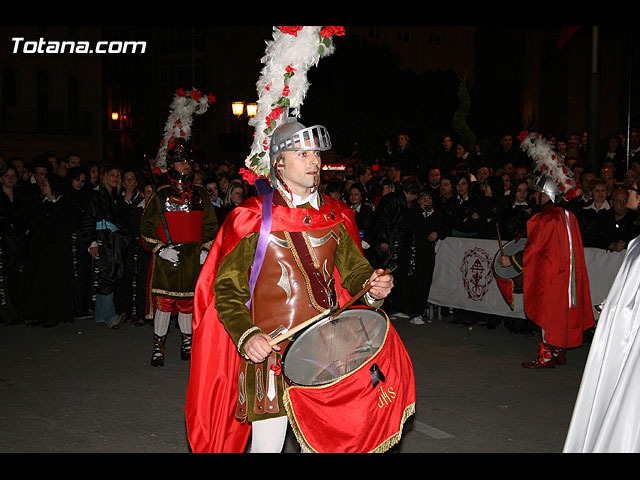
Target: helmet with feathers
555 179
282 87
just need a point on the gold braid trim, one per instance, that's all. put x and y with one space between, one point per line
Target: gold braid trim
244 336
306 448
158 243
166 293
513 260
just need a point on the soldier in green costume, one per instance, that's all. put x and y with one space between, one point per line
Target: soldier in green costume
296 279
178 254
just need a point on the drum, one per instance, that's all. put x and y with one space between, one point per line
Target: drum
510 248
350 383
334 347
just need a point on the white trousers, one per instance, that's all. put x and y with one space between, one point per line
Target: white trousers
267 436
162 320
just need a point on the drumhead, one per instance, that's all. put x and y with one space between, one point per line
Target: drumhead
334 347
509 248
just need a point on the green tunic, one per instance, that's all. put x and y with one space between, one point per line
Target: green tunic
232 292
179 281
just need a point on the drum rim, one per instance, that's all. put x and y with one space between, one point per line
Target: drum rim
334 381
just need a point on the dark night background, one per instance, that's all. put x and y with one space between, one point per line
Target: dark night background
369 90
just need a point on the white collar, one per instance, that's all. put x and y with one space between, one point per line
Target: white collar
312 199
605 206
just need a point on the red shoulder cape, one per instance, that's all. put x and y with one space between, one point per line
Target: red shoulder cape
547 276
212 389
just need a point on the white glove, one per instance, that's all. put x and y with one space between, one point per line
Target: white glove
170 254
203 256
365 245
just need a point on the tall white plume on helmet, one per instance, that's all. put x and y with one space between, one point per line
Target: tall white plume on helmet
283 83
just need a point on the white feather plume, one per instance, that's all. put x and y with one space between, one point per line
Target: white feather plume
178 124
299 52
548 163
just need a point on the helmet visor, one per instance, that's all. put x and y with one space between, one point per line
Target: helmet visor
309 138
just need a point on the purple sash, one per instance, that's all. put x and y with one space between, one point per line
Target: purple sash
263 241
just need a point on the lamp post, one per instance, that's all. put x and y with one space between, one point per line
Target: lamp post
238 109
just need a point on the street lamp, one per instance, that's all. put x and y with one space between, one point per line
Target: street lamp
252 109
114 116
237 108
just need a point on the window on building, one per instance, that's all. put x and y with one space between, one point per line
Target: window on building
42 101
9 92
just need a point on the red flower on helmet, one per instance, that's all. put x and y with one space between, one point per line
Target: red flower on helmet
523 135
211 98
248 175
196 94
329 31
181 93
290 30
275 113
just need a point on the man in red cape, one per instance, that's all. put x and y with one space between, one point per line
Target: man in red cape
212 393
556 284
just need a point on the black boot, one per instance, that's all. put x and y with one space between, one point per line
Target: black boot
185 349
157 359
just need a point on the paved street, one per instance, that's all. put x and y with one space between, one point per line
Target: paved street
83 388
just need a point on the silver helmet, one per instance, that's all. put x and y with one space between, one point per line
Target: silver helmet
294 136
546 185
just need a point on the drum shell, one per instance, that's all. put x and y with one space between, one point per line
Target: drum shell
510 248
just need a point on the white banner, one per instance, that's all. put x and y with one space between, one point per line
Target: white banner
463 276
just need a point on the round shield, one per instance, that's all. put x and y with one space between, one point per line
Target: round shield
334 347
510 248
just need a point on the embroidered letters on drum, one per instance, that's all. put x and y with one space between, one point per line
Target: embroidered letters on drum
386 396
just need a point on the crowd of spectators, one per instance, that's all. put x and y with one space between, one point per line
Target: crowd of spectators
53 211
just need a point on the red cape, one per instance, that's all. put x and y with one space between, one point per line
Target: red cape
213 384
547 276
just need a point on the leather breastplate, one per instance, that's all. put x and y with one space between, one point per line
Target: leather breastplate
296 280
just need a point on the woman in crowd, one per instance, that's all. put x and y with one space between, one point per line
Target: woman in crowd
234 196
104 230
492 206
517 212
591 216
507 184
335 189
93 179
79 196
212 186
12 240
417 258
465 221
364 219
125 295
47 275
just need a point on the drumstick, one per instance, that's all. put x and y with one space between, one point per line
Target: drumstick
297 328
359 294
499 239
